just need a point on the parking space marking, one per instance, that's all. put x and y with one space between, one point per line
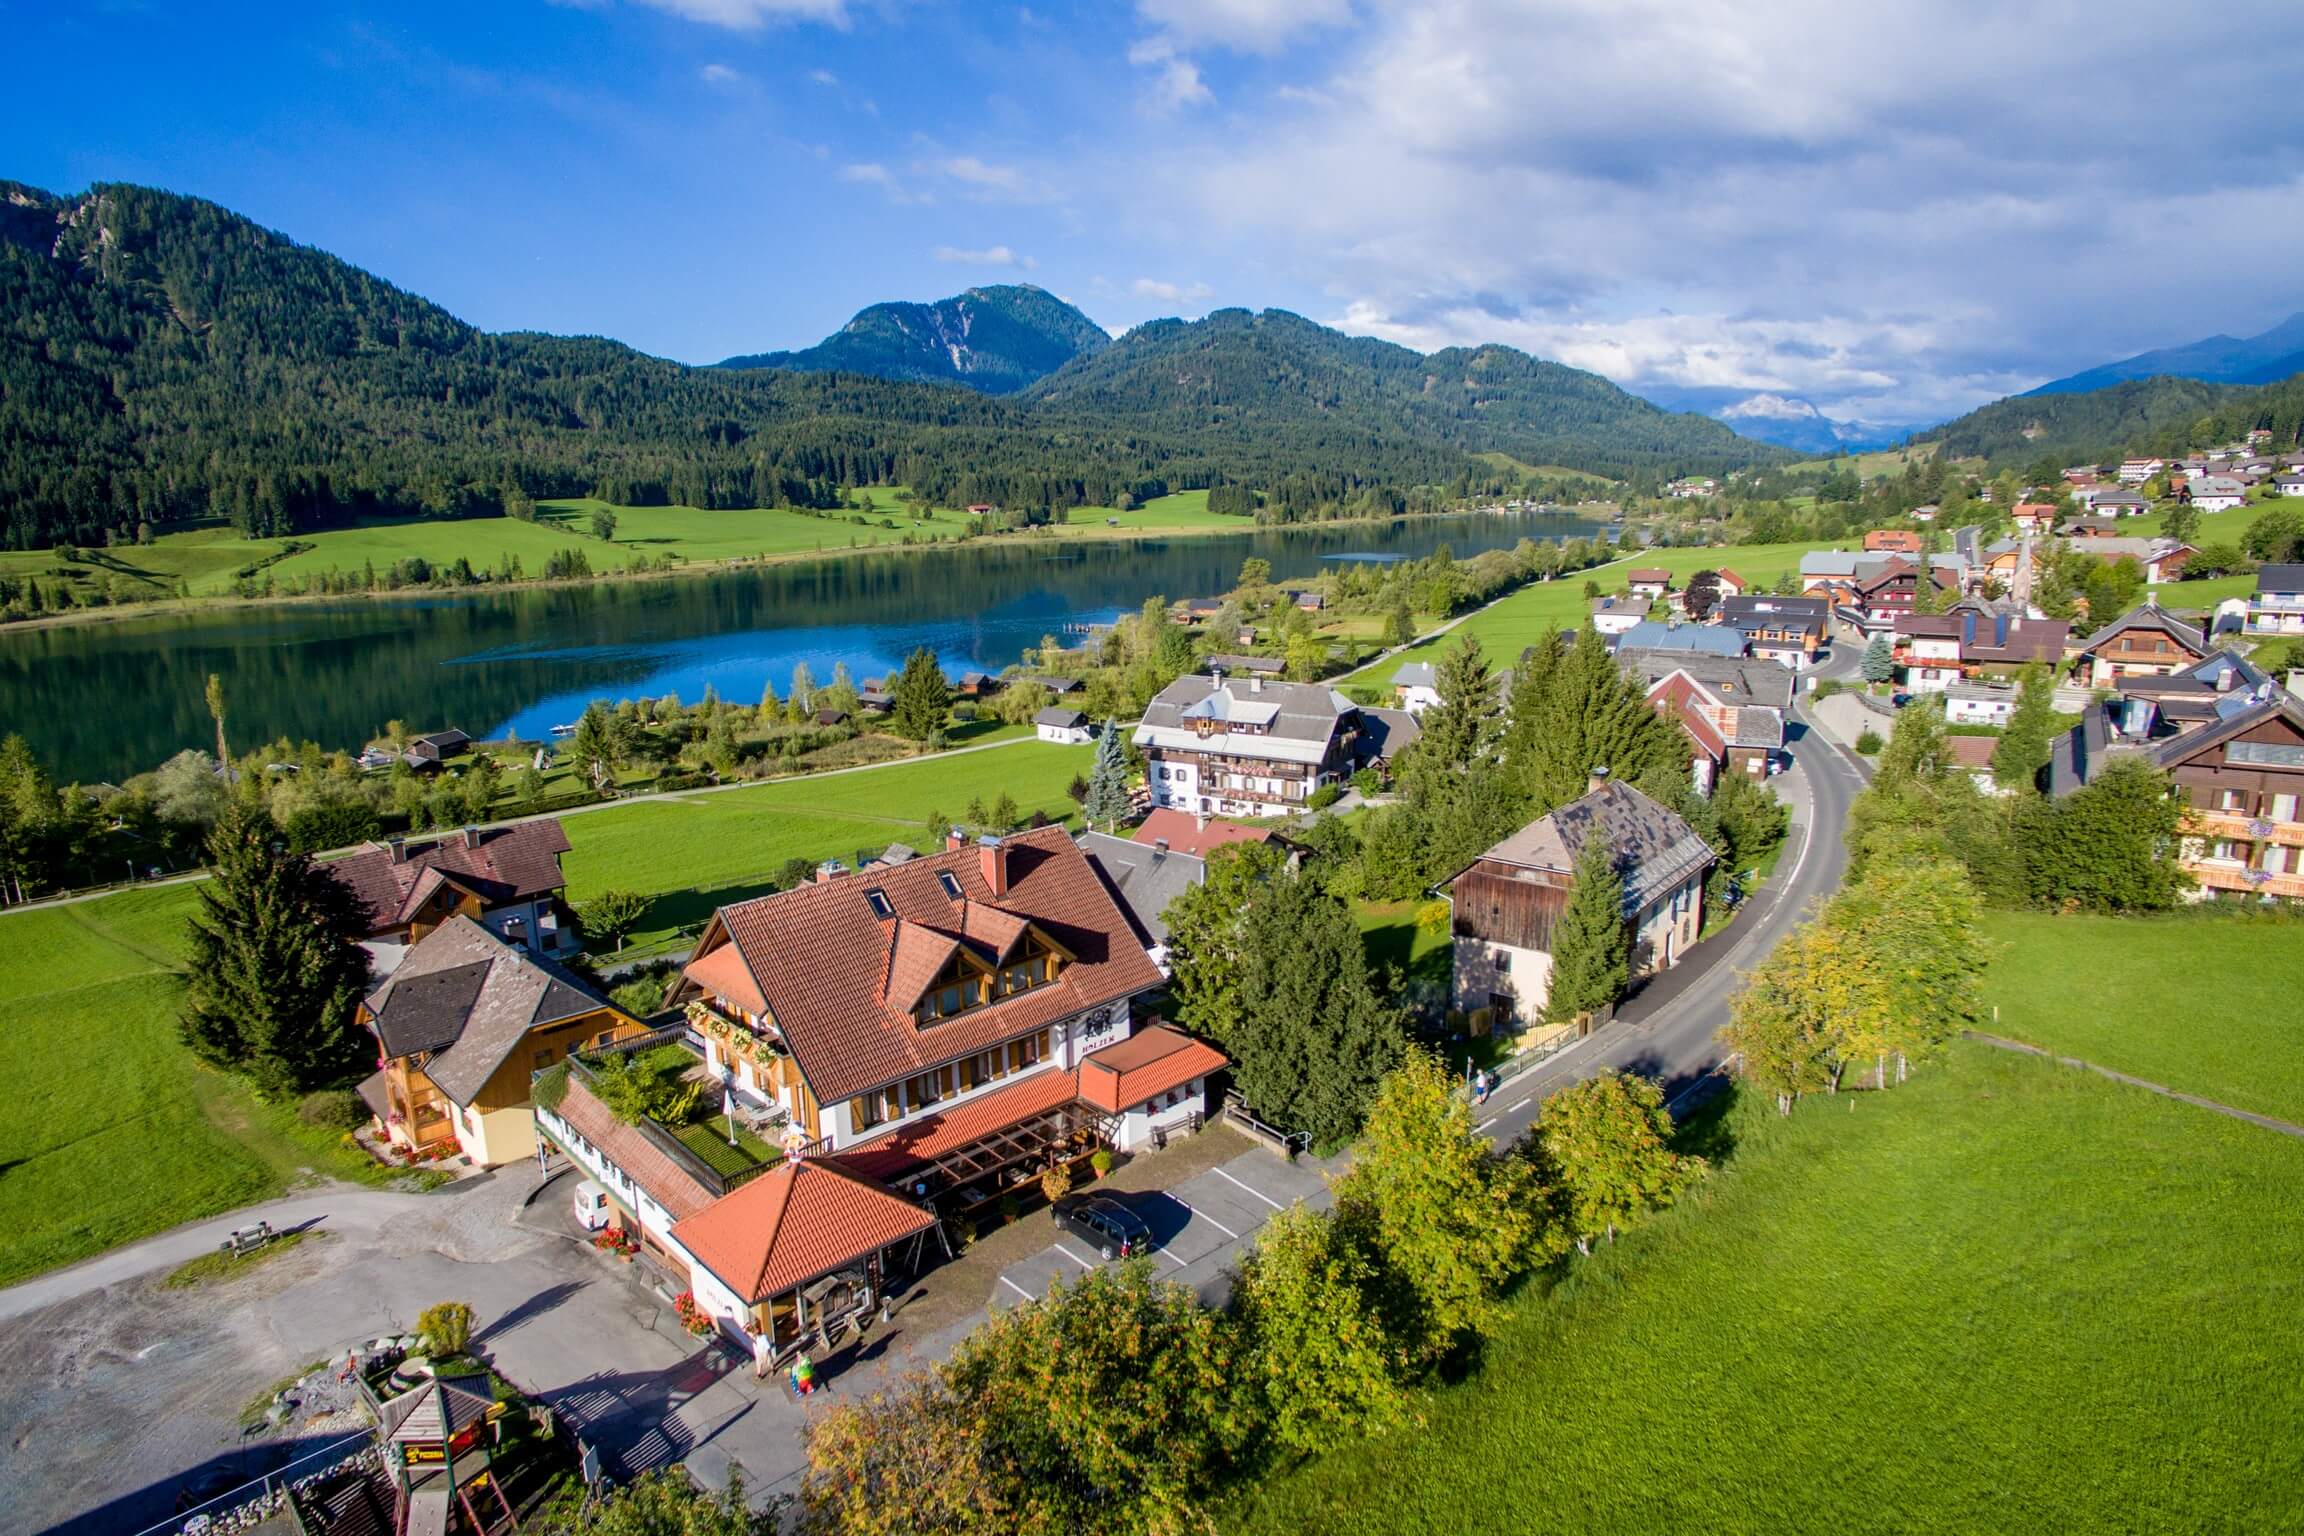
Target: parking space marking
1252 1189
1019 1290
1162 1250
1204 1216
1075 1258
1491 1120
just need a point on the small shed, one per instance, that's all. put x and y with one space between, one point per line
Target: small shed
1058 724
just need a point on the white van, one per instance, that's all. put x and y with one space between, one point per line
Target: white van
591 1206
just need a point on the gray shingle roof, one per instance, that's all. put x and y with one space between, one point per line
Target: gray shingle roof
1144 878
1735 678
470 997
1655 850
2149 616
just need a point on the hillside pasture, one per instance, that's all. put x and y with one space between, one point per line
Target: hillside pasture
2007 1296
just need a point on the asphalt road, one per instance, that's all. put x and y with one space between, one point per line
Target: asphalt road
1669 1029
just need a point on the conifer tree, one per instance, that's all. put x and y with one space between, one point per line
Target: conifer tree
275 970
920 699
1107 799
1591 946
1879 660
2029 738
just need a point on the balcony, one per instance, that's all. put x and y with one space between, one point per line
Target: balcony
2236 824
2218 876
659 1085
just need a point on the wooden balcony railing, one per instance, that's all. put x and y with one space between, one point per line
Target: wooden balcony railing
2241 826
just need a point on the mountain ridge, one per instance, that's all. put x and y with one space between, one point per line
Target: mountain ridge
995 339
165 361
2269 355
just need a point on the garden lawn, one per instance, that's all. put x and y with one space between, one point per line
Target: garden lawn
1509 626
109 1130
2206 593
2007 1296
2211 1005
699 851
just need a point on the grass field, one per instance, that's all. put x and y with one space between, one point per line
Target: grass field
1883 461
110 1131
2004 1297
2206 1005
1508 627
696 852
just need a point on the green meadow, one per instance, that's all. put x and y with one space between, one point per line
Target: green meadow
1512 624
2210 1004
111 1131
2007 1296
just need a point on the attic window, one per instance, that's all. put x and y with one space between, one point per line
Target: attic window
877 899
950 882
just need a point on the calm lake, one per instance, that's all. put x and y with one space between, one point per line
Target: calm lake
103 701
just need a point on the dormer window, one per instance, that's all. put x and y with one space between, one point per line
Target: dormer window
877 900
951 884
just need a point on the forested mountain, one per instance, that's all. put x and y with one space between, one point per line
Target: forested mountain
1242 373
996 340
163 359
2260 359
2080 429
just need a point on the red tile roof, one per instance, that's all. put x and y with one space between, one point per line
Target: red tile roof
911 1146
514 863
790 1225
667 1183
1146 1064
1184 833
825 962
1972 751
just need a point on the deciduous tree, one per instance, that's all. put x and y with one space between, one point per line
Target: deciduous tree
1313 1342
2030 736
1609 1137
1453 1222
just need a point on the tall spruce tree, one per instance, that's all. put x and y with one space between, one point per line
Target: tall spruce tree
1591 946
1107 801
275 970
919 700
1879 660
1574 710
2029 738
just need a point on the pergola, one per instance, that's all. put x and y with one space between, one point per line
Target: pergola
1019 1150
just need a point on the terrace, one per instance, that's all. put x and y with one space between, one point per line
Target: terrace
660 1084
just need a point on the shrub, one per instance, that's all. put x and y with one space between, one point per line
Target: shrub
1056 1181
1828 686
1869 743
337 1109
1101 1161
446 1327
1323 797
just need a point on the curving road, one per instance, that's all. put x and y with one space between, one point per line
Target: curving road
1668 1030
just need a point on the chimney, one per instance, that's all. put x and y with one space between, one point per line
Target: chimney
829 870
1200 821
1159 848
399 847
954 840
1255 682
471 837
993 855
1598 781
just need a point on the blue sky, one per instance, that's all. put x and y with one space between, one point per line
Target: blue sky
1896 210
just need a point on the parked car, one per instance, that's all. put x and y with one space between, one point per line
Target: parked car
1113 1229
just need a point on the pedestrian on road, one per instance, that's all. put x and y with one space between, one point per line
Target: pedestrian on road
1480 1086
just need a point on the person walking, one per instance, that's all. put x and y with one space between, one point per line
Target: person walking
762 1351
1480 1086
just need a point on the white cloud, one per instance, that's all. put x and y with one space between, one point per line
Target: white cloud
720 74
871 173
1176 82
823 77
1659 191
751 15
1169 293
986 181
990 256
1247 26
